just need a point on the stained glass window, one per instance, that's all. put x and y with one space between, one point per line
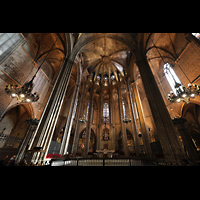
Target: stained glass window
124 109
171 77
105 110
84 134
87 111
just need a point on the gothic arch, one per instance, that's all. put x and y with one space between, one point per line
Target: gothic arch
27 106
130 142
194 110
191 113
81 142
13 125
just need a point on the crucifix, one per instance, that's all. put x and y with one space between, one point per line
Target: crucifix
105 118
106 131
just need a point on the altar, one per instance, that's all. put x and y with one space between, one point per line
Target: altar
107 152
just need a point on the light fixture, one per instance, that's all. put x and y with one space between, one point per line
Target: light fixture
98 77
23 94
112 77
32 121
126 120
105 78
83 119
114 82
184 94
97 82
90 77
105 83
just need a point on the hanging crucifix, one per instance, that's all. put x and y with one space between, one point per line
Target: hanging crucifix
106 130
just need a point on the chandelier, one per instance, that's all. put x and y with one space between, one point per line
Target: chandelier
23 94
83 119
126 120
184 94
32 121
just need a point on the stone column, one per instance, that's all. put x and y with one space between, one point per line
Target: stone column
100 118
68 126
123 128
48 120
143 127
133 120
78 123
172 149
88 129
112 119
33 123
189 145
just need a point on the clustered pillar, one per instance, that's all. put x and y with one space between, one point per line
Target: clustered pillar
66 135
123 128
88 128
46 126
78 123
170 143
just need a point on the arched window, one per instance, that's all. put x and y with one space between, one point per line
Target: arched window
105 110
87 111
124 109
84 134
171 77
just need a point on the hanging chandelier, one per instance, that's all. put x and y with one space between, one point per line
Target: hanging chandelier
184 94
83 119
32 121
23 94
126 120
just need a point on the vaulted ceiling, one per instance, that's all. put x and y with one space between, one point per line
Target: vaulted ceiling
39 46
106 60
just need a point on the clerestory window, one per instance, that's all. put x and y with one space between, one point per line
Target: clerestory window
124 109
105 110
171 77
87 111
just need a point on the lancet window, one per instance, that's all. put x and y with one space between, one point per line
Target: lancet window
124 109
87 111
105 110
171 77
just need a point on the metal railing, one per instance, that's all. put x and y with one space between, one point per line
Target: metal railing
10 145
104 162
